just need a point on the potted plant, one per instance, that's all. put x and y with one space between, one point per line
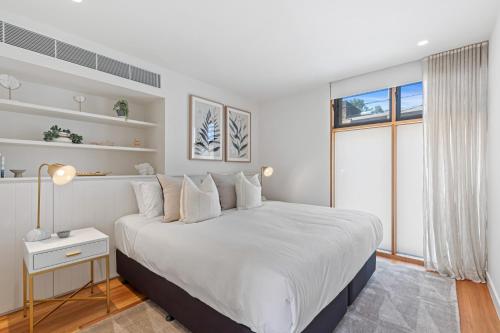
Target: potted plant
61 135
121 108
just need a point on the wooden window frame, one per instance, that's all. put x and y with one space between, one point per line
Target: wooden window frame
393 123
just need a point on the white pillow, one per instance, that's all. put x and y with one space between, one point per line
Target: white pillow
152 199
149 198
248 191
199 203
138 195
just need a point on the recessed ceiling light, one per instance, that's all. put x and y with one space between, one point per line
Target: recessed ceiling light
77 1
421 43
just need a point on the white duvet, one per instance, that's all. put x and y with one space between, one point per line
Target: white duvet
272 268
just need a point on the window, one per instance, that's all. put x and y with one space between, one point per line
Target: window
410 101
368 108
376 106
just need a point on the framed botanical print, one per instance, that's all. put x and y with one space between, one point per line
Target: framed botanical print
238 135
206 141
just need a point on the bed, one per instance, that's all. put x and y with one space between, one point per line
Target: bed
278 268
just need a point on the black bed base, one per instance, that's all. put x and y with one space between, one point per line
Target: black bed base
201 318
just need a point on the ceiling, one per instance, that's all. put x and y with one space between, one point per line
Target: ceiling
265 49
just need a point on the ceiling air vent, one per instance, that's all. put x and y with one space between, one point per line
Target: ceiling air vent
76 55
29 40
38 43
144 76
111 66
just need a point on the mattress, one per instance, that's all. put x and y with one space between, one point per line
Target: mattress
272 268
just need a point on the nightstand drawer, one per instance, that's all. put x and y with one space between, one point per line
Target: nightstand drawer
69 254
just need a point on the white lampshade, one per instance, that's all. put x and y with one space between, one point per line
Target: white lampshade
61 174
267 171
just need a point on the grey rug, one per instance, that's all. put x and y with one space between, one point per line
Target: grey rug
398 298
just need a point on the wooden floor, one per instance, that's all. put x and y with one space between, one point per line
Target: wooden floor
73 315
477 313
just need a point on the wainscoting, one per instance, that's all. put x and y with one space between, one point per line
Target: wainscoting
86 202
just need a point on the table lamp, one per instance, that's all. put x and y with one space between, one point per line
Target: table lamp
60 174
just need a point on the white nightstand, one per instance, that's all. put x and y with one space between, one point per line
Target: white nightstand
83 245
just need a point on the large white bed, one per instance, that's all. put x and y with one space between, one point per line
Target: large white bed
272 268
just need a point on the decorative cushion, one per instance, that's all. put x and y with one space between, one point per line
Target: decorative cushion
171 187
248 191
199 203
226 189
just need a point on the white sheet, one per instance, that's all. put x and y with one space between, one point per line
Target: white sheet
126 229
272 268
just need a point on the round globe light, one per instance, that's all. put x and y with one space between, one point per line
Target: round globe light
267 171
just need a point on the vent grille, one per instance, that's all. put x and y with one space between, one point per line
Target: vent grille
112 66
144 76
29 40
38 43
76 55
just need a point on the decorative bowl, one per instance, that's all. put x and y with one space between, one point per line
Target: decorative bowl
61 139
63 234
18 173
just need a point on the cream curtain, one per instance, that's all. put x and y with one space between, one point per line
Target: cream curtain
455 84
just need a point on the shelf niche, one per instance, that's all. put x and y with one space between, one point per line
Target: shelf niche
36 106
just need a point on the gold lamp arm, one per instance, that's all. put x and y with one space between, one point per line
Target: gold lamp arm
39 194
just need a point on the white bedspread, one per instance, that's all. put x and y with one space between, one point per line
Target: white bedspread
272 268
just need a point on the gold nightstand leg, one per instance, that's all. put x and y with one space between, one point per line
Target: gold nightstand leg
32 315
92 276
25 292
107 284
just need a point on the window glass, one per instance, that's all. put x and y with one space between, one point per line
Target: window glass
410 101
367 108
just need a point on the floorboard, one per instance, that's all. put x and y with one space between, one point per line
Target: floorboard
477 313
73 315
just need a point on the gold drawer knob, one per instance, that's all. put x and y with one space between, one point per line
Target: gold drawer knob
74 253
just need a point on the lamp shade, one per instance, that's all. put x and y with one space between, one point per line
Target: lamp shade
267 171
61 174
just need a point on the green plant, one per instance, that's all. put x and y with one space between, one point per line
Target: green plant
75 138
55 132
121 108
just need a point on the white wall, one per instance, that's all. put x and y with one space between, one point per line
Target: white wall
294 136
177 90
493 165
294 140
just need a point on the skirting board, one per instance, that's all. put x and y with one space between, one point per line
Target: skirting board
494 294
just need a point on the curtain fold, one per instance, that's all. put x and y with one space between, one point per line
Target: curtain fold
455 117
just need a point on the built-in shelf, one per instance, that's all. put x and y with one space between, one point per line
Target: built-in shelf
49 111
77 178
73 146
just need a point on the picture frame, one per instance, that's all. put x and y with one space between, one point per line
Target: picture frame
238 135
206 124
